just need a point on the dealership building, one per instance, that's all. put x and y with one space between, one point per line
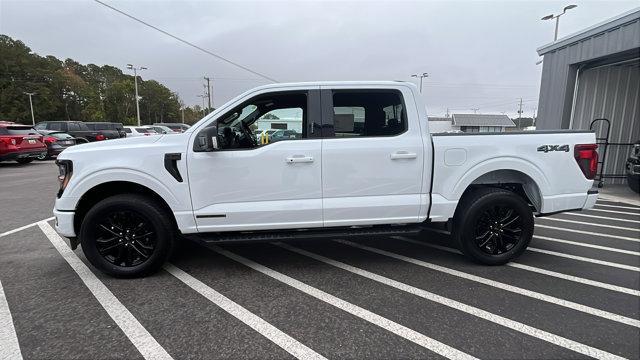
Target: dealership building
593 74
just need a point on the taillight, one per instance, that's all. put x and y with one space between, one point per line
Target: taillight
8 141
587 158
99 137
49 140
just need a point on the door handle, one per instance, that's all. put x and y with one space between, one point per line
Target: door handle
299 159
403 155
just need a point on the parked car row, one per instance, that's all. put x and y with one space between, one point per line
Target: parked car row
47 139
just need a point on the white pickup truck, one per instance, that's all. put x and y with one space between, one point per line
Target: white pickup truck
361 164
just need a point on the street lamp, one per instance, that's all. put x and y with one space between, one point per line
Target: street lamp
557 17
422 76
33 119
135 79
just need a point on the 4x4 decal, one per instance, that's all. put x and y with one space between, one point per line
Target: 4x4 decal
547 148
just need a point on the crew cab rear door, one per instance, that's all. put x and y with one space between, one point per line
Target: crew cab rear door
274 185
372 156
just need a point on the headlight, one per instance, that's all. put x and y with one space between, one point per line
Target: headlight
65 169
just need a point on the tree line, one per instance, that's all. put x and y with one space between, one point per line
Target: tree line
68 90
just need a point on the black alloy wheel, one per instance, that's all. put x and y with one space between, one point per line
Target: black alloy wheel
498 230
125 238
493 226
128 235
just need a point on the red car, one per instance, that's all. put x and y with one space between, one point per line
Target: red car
21 143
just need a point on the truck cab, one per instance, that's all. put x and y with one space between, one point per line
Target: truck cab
360 162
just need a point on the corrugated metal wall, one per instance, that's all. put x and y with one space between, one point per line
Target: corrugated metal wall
610 92
562 59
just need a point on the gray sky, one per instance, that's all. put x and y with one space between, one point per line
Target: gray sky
479 54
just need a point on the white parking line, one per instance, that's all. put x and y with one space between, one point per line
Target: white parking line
275 335
137 334
602 217
588 233
619 207
576 243
615 212
471 310
514 289
590 223
9 346
585 259
572 278
393 327
24 227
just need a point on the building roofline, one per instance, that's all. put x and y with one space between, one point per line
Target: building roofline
601 27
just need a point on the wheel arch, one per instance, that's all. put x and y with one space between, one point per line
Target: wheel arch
513 180
110 188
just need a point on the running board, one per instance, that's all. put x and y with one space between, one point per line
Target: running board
283 235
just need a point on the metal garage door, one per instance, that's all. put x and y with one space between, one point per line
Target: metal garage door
611 92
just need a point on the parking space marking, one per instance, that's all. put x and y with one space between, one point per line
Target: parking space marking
24 227
496 284
590 223
471 310
615 212
264 328
572 278
589 233
137 334
389 325
585 259
602 217
618 206
9 346
599 247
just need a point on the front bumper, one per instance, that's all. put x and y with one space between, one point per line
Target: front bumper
64 223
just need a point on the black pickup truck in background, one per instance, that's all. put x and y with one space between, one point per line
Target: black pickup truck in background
110 130
77 129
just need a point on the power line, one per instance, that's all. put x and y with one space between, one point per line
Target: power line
186 42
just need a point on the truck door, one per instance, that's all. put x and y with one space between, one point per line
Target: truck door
261 184
372 157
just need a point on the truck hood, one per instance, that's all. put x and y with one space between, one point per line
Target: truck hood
107 145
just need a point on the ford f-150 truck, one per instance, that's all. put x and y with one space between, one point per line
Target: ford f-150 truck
363 164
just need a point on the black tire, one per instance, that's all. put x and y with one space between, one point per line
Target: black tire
42 157
634 182
124 256
492 226
25 160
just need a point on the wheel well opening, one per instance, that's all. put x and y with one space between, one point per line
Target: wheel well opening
512 180
105 190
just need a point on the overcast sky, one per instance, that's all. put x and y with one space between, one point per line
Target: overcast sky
479 54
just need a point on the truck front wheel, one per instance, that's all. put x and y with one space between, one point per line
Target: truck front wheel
493 226
127 235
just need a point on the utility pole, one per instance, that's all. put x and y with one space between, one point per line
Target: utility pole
520 109
208 93
135 79
182 114
475 110
33 119
202 96
421 76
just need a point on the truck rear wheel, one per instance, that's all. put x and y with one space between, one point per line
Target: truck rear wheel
127 235
493 226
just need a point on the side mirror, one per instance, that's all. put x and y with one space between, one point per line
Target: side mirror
208 139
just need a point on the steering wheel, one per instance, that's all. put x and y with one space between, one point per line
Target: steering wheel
246 130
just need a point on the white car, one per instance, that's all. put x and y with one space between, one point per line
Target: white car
161 129
133 131
364 165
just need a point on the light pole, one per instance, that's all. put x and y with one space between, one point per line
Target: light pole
203 97
557 17
30 94
421 76
135 80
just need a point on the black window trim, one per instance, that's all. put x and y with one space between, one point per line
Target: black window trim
327 112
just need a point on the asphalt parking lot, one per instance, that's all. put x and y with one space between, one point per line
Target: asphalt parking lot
574 294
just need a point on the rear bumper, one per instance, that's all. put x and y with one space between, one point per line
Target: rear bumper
64 223
592 197
22 154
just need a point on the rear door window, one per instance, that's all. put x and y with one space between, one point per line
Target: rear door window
366 113
56 126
